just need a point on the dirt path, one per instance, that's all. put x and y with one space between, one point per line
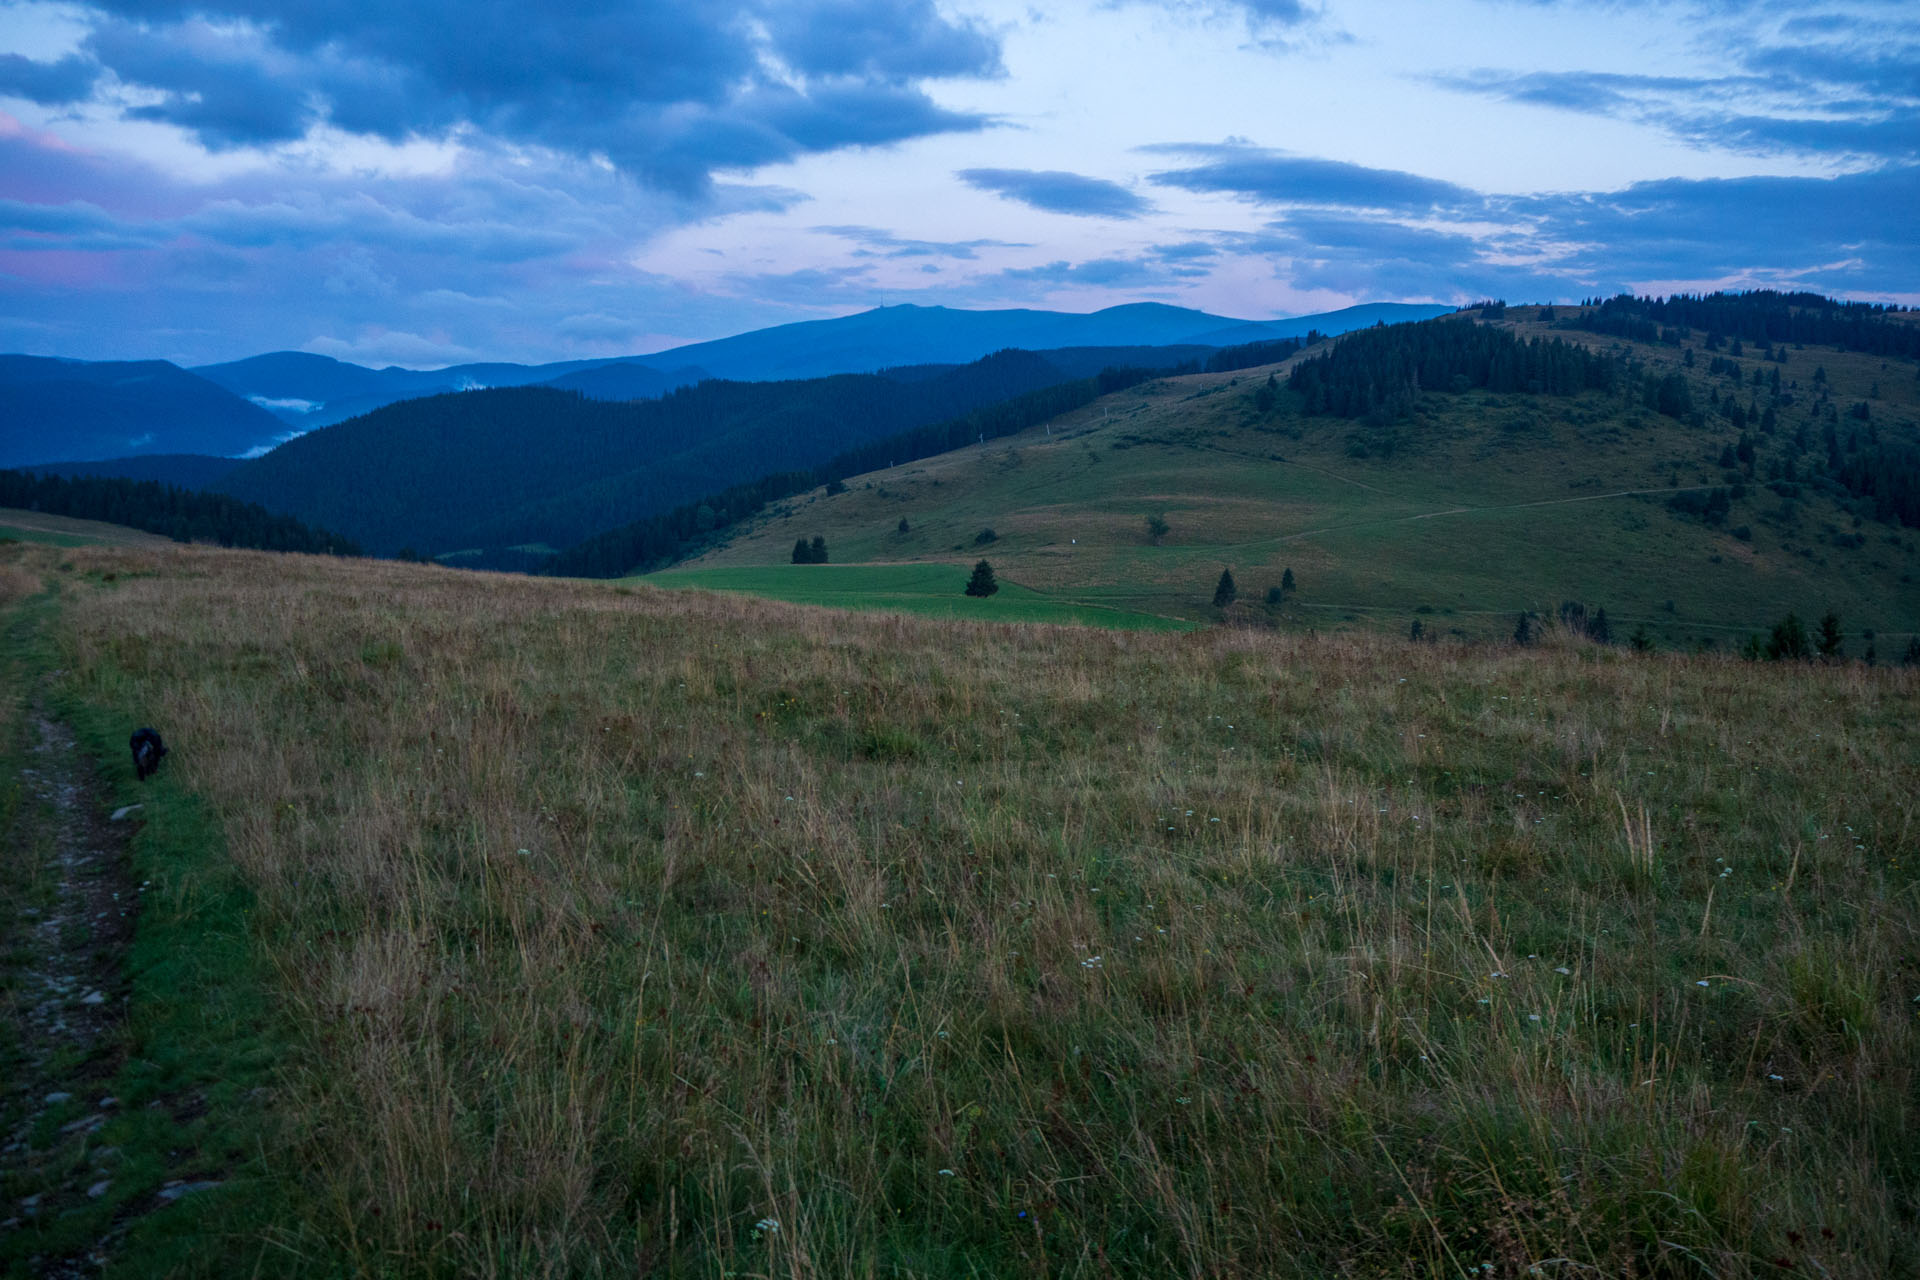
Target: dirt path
64 1000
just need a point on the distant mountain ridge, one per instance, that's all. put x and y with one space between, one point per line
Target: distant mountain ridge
511 468
67 411
53 410
910 334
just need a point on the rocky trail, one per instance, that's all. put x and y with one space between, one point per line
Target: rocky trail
63 1013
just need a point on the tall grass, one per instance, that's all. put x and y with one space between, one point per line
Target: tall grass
633 930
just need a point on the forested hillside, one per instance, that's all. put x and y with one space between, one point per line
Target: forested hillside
179 514
489 471
74 410
661 539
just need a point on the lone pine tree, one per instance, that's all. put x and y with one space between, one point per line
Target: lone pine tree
982 583
1224 593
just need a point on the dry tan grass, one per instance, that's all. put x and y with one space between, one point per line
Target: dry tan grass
613 922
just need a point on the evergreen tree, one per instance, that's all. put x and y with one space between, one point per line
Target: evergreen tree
1274 596
819 549
1599 629
1641 641
1225 592
1417 630
1523 628
1912 656
1830 637
802 553
982 583
1286 582
903 525
1157 529
1788 640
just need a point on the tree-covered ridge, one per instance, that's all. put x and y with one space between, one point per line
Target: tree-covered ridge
179 514
531 465
659 540
1763 316
1380 370
1252 355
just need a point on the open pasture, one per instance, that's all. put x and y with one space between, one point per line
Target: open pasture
613 930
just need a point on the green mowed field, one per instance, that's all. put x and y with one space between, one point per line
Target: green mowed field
927 589
1479 507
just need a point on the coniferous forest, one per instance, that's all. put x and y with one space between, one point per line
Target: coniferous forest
1380 370
180 514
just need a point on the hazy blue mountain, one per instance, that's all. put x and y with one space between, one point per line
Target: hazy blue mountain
912 335
307 391
625 380
77 410
181 470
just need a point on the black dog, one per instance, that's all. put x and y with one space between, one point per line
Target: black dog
147 750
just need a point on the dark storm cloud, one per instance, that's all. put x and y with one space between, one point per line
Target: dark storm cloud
877 39
670 93
48 83
1272 177
1054 191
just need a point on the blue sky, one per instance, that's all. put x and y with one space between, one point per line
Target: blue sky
445 180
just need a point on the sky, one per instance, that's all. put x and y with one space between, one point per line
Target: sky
428 182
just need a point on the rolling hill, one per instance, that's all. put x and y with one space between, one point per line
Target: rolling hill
1458 509
504 473
78 410
182 470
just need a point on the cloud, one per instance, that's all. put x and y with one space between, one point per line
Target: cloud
877 243
1837 85
376 346
1266 20
48 83
1103 272
668 93
1274 177
1053 191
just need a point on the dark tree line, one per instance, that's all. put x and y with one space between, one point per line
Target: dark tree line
1763 316
652 543
180 514
1254 354
1889 475
1382 369
515 465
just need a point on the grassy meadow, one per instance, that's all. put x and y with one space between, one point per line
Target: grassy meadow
610 930
1481 506
929 589
64 531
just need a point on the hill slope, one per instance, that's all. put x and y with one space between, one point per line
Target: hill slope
76 410
309 391
1471 508
506 468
